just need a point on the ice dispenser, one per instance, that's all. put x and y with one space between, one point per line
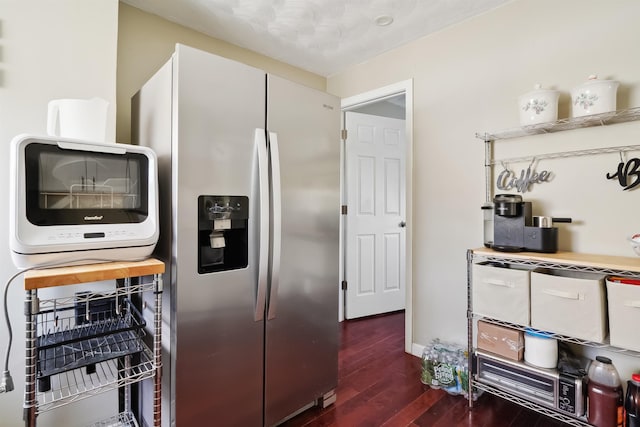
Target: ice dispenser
222 233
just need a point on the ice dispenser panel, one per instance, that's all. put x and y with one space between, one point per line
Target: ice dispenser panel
222 233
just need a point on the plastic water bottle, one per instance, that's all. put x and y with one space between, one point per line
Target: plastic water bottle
632 402
605 394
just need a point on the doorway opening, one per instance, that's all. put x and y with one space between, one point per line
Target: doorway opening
377 198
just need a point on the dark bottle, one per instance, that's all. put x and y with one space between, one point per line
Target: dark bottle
604 392
632 402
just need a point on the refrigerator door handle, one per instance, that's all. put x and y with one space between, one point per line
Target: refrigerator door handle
276 224
263 244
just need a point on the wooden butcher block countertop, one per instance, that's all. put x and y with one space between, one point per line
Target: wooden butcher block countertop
60 276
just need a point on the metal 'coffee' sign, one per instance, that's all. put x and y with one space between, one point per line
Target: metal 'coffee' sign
508 180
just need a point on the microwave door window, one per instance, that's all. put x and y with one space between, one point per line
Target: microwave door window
66 186
80 181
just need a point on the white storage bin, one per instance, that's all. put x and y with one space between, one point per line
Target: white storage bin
569 303
624 314
501 293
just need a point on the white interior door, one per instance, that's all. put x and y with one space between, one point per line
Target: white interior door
376 217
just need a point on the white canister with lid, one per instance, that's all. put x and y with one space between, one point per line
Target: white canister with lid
540 349
595 96
538 106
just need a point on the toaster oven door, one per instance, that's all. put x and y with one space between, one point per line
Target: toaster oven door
71 187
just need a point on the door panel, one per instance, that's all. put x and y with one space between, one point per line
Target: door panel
217 104
302 338
375 234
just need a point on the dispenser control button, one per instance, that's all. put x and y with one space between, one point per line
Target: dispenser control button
221 224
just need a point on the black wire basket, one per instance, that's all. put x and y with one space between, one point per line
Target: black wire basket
90 331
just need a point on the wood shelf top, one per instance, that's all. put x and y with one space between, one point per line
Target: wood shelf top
71 275
586 260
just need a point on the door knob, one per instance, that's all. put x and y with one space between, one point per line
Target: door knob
402 224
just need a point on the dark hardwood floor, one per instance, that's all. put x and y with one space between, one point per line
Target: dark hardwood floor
379 385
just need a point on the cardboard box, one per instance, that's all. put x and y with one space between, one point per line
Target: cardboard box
500 340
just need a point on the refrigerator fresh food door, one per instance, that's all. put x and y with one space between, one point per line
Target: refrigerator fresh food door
301 356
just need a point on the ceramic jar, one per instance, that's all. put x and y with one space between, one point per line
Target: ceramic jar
594 97
538 106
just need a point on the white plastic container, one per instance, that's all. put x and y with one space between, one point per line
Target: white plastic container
540 349
84 119
538 106
594 97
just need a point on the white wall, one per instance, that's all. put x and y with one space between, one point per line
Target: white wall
467 79
48 50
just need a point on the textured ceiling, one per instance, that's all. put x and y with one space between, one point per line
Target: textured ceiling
321 36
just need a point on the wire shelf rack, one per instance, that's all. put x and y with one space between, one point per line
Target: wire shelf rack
84 333
124 419
609 118
77 384
555 265
603 345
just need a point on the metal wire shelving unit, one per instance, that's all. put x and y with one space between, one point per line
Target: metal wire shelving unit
574 262
609 265
603 119
89 343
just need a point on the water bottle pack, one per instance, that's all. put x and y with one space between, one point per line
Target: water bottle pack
445 366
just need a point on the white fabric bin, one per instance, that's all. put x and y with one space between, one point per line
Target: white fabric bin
501 293
624 314
569 303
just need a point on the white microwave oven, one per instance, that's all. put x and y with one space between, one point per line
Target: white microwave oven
76 202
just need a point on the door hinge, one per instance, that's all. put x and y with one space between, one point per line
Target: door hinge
344 134
344 209
344 285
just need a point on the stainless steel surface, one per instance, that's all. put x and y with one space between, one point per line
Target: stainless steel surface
302 341
276 224
217 104
205 117
263 242
542 221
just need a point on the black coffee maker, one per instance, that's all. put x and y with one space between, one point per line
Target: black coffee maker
515 229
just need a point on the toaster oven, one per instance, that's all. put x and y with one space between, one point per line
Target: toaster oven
74 201
563 392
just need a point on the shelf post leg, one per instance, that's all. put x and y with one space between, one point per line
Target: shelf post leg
469 331
157 353
29 407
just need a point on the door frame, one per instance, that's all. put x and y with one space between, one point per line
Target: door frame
359 100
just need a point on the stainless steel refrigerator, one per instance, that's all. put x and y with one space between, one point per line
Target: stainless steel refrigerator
249 173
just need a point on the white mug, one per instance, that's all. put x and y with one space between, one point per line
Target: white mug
84 119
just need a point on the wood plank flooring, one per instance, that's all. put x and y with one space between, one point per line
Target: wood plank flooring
379 386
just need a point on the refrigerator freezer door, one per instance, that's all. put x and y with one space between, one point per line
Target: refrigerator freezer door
302 337
216 360
218 105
